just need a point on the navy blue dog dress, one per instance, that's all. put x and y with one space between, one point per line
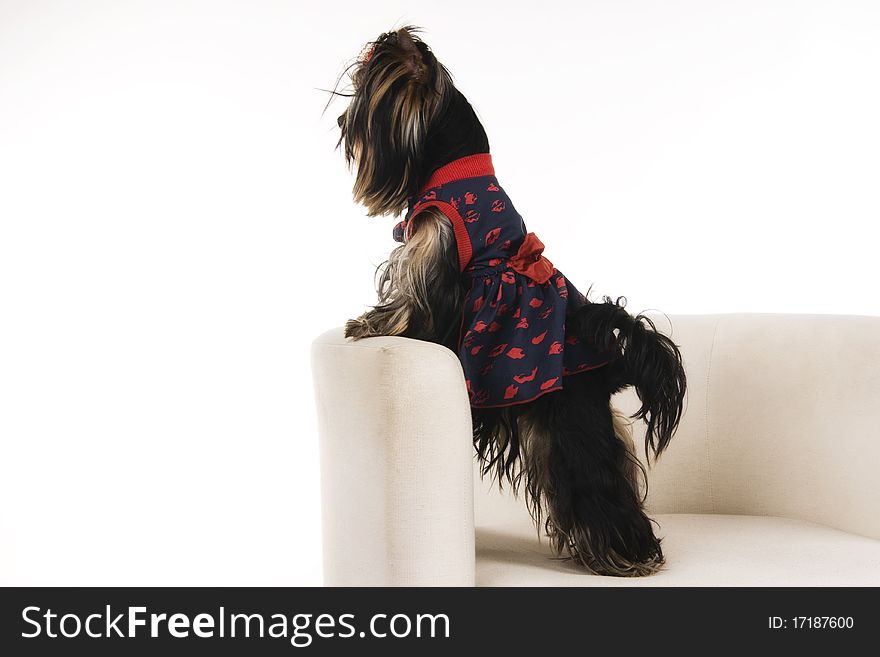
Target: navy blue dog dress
513 343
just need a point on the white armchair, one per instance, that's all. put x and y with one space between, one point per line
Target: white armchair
772 478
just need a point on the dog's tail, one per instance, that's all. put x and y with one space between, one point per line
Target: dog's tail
646 359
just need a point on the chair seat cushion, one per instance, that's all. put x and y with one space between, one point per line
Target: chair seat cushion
700 550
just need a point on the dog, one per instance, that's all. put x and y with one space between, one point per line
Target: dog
541 360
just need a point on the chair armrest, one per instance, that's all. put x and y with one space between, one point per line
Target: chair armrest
396 463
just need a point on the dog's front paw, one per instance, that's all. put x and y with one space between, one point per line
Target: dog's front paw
357 329
380 321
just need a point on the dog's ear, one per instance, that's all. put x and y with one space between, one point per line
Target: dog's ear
399 91
412 56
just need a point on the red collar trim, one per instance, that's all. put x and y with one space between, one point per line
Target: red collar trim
469 166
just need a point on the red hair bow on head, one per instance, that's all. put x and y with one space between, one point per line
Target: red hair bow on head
366 53
530 262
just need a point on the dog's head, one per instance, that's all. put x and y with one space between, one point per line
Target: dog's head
405 119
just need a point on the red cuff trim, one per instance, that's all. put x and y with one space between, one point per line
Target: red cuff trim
469 166
462 241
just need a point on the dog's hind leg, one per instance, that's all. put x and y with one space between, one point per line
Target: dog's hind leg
581 474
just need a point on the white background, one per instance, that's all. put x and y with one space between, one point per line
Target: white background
175 229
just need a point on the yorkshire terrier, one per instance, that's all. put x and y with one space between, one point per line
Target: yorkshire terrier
541 361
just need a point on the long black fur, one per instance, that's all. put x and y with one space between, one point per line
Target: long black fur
578 476
651 363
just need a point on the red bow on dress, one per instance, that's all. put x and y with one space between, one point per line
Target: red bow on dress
529 261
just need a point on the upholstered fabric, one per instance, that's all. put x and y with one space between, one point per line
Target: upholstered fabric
396 463
701 550
771 479
780 419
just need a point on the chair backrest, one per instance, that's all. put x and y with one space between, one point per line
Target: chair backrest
781 420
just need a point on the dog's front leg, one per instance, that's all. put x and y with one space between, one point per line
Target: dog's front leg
419 287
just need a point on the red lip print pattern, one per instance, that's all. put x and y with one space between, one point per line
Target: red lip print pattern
497 351
513 344
524 378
